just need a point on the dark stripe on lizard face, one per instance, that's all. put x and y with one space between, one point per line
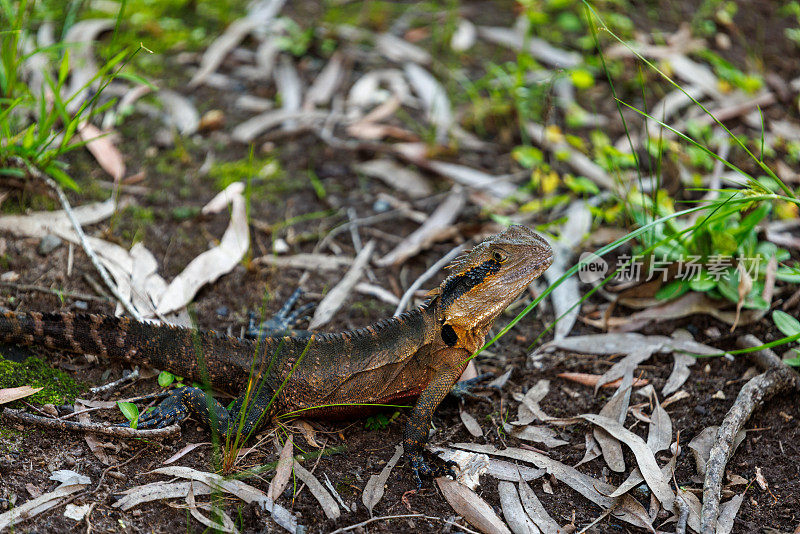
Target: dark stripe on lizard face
460 284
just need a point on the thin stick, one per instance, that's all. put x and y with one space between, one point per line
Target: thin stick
57 292
19 416
433 269
776 379
130 377
36 173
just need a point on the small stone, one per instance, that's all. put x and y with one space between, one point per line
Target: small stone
50 410
212 120
164 138
80 305
279 246
10 276
48 244
700 410
719 395
381 206
222 311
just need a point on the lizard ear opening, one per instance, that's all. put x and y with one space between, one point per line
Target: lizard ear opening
449 335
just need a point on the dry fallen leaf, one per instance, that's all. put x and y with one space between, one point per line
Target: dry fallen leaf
283 470
70 482
104 151
518 521
11 394
373 491
591 380
215 262
470 423
471 507
328 503
533 507
335 298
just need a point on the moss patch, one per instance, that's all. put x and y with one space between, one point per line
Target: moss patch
59 387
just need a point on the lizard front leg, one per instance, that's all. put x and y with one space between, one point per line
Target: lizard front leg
244 416
415 435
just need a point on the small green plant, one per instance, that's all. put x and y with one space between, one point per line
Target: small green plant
130 411
380 421
790 327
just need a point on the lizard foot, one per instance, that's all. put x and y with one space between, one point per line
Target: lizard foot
420 467
283 322
464 389
174 409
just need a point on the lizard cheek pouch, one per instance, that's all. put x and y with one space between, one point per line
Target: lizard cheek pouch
449 335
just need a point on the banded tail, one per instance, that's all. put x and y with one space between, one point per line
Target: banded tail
182 351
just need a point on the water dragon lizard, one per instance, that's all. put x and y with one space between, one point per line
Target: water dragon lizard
417 355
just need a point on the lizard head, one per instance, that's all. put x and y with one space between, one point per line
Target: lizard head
483 282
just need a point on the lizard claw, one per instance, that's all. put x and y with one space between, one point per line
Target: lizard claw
170 411
420 467
464 389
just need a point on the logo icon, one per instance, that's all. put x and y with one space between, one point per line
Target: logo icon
593 268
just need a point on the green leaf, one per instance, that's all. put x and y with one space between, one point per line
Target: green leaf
130 411
703 283
786 323
165 378
673 290
788 274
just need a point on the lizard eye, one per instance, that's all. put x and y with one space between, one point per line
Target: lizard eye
499 256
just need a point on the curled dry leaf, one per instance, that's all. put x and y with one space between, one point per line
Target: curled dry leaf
533 507
701 447
518 521
104 151
400 50
335 298
373 491
625 508
181 112
529 408
540 49
215 262
246 492
727 514
288 83
159 491
326 82
626 366
464 36
438 226
592 449
538 434
70 482
434 99
680 373
260 15
189 447
644 457
471 507
328 503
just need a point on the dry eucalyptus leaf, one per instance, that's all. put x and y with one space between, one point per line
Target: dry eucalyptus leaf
399 177
335 298
515 516
533 507
373 491
328 503
538 434
470 423
104 151
183 115
471 507
283 470
11 394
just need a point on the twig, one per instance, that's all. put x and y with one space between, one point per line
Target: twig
777 378
57 292
432 270
382 518
130 377
36 173
19 416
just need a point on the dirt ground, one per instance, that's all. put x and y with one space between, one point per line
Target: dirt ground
29 455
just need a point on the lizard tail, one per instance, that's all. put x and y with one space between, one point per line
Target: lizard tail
179 350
